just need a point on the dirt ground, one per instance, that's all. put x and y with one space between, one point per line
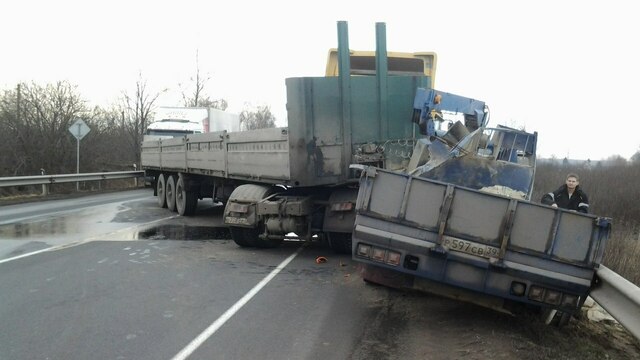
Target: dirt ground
413 325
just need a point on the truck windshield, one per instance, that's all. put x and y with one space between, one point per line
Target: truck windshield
174 133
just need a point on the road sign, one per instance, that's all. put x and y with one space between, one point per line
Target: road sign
79 129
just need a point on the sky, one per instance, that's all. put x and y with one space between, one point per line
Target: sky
565 69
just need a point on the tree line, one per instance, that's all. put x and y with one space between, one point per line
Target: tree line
35 121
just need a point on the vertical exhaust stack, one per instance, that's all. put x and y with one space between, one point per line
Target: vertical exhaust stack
344 71
381 78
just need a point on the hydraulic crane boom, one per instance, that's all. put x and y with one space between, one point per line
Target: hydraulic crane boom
429 104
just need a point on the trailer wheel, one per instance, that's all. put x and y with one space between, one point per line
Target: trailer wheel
186 200
171 192
340 242
161 190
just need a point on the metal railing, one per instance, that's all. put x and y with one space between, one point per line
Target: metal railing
620 297
66 178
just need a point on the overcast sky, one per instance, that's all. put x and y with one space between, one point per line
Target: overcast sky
566 69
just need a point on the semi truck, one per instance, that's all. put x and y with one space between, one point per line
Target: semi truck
170 128
172 122
277 182
408 179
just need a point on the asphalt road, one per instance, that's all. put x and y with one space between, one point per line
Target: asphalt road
102 277
114 277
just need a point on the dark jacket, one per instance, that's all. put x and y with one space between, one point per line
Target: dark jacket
578 201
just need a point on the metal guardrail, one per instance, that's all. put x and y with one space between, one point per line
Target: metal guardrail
620 297
66 178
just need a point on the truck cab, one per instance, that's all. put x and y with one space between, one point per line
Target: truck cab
398 63
170 128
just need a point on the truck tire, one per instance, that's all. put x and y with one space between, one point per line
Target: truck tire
161 188
171 192
249 237
339 242
268 243
244 237
186 200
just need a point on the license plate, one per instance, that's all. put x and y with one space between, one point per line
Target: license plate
236 220
470 247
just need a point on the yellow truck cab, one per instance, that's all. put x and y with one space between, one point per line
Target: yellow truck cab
399 63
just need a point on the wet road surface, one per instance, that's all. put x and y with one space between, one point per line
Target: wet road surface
123 279
29 227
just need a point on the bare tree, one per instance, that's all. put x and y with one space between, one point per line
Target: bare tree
197 97
37 119
109 147
220 104
137 111
635 158
259 118
10 163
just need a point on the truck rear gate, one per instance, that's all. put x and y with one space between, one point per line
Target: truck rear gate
495 245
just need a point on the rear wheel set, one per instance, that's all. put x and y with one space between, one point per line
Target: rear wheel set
174 194
186 200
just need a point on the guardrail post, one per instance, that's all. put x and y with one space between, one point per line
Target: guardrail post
45 187
135 179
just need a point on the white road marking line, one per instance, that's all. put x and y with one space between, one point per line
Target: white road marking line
208 332
80 242
24 255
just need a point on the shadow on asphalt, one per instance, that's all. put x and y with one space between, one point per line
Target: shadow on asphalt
184 232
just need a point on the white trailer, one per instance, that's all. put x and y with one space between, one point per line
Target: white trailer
219 120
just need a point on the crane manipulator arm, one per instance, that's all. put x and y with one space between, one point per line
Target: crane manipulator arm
429 104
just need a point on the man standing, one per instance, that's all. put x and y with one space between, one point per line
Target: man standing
568 196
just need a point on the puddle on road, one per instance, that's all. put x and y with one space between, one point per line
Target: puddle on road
60 227
183 232
88 221
39 229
